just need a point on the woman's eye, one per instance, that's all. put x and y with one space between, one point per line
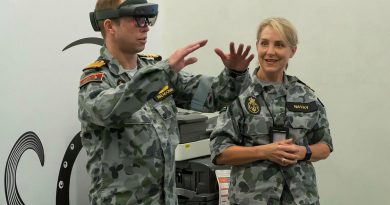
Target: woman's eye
263 43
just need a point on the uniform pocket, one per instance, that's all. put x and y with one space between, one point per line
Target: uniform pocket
167 124
255 129
300 120
300 124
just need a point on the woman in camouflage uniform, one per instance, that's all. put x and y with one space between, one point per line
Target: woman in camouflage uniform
275 130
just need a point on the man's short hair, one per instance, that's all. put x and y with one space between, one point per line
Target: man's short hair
106 5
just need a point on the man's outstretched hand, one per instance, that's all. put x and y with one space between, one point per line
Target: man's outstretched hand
178 60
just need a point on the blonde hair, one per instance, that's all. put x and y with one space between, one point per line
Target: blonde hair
283 27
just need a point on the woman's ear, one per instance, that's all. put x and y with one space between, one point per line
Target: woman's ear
293 50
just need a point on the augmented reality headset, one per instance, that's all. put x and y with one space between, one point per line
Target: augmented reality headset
145 14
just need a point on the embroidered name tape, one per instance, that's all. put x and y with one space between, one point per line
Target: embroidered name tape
163 93
302 107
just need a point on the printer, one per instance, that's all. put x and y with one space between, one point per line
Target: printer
194 136
196 181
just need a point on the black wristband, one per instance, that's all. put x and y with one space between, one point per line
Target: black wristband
235 74
308 153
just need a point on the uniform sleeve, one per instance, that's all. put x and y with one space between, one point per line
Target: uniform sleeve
104 105
208 94
321 131
226 133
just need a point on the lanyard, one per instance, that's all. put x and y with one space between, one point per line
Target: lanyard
270 112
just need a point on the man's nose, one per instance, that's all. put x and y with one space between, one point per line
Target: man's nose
145 29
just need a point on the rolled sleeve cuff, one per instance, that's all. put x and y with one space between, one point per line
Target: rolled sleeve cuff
168 70
218 151
236 74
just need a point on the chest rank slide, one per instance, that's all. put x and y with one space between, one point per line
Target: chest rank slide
163 93
252 105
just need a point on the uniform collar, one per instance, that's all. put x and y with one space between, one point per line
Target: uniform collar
258 87
113 65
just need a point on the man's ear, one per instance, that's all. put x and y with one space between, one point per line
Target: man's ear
108 26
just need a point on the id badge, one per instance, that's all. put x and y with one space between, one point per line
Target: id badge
279 133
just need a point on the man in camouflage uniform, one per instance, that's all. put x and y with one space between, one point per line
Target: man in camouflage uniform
127 109
247 122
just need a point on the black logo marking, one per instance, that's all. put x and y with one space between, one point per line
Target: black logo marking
28 140
62 195
90 40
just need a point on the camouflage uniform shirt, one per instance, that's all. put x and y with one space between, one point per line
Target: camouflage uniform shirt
129 127
247 122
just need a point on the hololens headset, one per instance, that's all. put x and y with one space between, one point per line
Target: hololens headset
145 14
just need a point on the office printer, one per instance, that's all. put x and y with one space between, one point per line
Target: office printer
194 139
196 182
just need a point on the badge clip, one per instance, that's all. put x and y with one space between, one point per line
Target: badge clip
279 133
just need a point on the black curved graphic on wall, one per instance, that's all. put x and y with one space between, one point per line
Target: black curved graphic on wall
62 195
90 40
28 140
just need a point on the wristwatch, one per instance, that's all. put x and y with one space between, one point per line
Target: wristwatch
308 153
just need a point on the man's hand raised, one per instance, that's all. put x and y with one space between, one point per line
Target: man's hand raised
178 60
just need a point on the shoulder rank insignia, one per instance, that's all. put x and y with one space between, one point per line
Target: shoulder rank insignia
252 105
302 107
299 81
97 64
150 56
95 77
163 93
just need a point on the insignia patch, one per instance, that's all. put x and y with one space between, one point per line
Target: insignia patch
163 93
96 64
95 77
252 105
302 107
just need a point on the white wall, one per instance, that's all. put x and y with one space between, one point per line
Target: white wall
342 54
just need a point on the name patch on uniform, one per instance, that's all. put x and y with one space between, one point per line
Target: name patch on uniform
95 77
252 105
163 93
302 107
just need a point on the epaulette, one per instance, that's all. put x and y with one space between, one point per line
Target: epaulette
150 56
97 64
299 81
321 102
